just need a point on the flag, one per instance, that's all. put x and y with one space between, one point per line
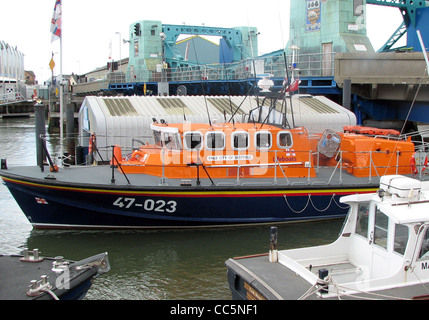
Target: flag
56 21
293 87
41 201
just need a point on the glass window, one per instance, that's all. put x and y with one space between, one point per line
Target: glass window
362 219
358 7
284 140
157 137
240 140
171 140
193 140
424 251
263 140
401 238
380 229
215 140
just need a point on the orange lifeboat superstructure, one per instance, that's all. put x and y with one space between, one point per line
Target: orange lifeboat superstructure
223 151
247 150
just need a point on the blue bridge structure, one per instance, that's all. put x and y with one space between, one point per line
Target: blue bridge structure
157 67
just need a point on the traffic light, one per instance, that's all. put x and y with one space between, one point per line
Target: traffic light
137 30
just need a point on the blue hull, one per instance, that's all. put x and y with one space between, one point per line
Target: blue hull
49 205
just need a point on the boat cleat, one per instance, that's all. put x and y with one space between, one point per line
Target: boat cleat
38 287
32 256
60 265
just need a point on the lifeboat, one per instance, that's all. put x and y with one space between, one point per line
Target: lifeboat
246 150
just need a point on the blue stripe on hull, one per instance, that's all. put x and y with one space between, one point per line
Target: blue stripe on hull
55 207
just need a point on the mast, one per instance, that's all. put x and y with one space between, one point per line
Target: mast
56 30
61 102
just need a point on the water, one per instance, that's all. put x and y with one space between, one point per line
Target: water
145 265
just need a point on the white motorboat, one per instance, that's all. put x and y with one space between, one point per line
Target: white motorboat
382 253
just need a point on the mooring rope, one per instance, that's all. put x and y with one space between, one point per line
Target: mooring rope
342 291
310 201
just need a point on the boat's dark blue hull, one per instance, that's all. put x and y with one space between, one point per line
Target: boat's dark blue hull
49 205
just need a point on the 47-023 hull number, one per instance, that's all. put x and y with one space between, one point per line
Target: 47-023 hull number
160 206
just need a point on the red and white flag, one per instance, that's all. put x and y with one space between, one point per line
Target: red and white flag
41 201
56 21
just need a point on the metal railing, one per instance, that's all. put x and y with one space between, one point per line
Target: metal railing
306 65
309 161
9 98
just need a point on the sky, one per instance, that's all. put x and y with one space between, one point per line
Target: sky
90 26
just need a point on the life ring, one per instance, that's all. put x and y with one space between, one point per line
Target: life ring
91 145
413 164
137 155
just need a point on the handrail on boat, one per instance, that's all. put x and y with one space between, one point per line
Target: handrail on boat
314 158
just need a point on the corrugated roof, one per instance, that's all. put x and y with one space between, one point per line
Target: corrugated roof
120 107
174 106
317 105
225 105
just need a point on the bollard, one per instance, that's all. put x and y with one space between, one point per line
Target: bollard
39 111
273 255
323 273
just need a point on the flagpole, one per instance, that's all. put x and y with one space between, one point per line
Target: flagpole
61 100
56 30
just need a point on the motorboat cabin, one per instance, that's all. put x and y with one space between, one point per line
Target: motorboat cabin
381 253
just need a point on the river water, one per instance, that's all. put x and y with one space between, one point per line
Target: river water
145 265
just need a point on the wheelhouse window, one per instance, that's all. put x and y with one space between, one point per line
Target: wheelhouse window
401 238
263 140
157 137
193 140
215 140
284 139
171 141
381 229
240 140
424 250
362 219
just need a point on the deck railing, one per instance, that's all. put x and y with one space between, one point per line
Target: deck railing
270 159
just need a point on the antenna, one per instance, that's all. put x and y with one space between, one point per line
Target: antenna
290 95
202 84
227 83
182 91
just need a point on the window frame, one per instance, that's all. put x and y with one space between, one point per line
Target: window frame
256 140
396 248
206 140
176 139
379 229
236 133
361 233
424 242
185 142
278 140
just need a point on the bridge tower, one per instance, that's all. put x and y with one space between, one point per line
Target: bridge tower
153 43
321 26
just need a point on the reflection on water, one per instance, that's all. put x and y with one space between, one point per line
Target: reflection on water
17 145
153 265
187 264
